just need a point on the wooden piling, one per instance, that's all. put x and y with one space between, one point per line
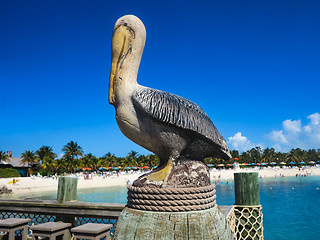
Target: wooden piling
247 209
246 188
67 189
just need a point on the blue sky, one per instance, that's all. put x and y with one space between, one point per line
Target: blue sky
253 66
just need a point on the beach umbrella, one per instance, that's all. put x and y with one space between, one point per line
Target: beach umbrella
263 164
102 168
115 168
145 167
154 167
302 163
292 163
220 165
236 159
108 168
128 168
229 165
283 163
258 164
86 168
311 162
273 163
210 165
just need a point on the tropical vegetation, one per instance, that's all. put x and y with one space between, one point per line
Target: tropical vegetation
9 172
3 156
46 162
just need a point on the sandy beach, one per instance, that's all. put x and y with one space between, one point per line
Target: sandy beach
36 185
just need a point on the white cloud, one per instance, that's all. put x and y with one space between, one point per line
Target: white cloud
240 143
292 127
312 130
294 135
278 136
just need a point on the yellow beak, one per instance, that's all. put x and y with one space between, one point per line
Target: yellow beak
121 45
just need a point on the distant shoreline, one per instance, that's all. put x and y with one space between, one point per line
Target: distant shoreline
30 186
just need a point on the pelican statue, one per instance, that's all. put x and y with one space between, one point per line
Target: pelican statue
177 130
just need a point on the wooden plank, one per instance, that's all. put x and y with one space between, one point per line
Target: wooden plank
194 225
127 225
164 228
180 226
208 224
147 225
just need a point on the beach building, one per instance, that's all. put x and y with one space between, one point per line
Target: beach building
15 162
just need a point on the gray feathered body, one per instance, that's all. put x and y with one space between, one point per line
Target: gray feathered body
172 126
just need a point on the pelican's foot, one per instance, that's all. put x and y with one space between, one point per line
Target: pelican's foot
156 178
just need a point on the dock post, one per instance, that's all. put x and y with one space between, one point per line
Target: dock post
247 209
67 189
67 192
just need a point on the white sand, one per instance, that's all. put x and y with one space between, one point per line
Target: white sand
265 172
29 186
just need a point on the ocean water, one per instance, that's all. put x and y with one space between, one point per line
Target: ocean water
291 205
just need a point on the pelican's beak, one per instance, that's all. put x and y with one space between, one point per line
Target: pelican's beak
121 46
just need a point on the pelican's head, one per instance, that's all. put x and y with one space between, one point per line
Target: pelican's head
128 38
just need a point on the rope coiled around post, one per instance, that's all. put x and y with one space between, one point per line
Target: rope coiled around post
171 199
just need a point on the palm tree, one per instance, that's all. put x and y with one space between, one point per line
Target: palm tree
235 154
61 165
110 159
87 161
49 164
4 156
268 155
28 157
255 154
71 151
45 151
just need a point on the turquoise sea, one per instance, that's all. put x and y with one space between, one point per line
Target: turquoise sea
291 205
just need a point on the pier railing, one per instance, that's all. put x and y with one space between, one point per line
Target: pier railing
48 211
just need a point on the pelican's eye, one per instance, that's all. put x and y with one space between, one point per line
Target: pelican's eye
125 24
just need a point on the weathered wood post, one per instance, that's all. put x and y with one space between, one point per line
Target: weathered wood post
247 209
67 189
67 192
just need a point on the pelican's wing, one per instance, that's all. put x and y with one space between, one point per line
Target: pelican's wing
178 111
